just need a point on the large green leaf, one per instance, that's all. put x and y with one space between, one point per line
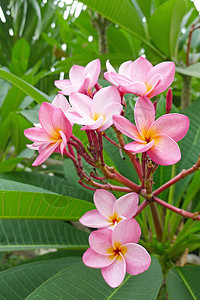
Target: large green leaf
164 25
183 283
20 55
80 282
193 70
36 234
24 86
33 205
19 282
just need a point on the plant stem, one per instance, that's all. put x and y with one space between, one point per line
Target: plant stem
182 212
178 177
156 220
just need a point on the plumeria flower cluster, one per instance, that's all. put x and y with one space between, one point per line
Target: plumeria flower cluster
114 245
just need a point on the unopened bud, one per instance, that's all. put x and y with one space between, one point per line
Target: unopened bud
169 99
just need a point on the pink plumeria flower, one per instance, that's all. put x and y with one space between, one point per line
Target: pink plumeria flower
52 135
81 79
110 211
156 138
96 113
140 77
117 252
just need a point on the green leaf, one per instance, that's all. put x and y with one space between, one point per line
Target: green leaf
10 164
20 56
183 283
19 282
36 234
32 205
80 282
193 70
24 86
164 25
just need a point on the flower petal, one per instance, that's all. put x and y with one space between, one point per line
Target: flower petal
165 151
137 258
108 112
81 104
127 205
109 67
144 113
114 274
95 124
94 260
70 89
137 147
37 134
126 231
45 153
127 128
167 70
140 67
100 241
45 118
76 74
93 68
104 202
173 125
94 219
152 84
105 97
62 84
125 69
61 102
61 123
136 88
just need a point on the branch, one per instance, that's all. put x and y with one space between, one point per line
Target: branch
106 186
178 177
182 212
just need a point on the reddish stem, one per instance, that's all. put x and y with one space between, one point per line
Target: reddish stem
141 207
182 212
178 177
111 141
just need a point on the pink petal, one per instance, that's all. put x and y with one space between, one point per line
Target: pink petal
126 231
152 84
61 123
144 113
108 112
140 67
167 70
127 205
94 219
45 117
105 97
165 151
37 134
137 258
76 74
61 102
73 88
84 88
104 202
136 88
62 84
173 125
127 128
94 260
81 104
45 153
125 69
115 273
120 79
63 143
100 241
137 147
108 77
109 67
94 69
95 125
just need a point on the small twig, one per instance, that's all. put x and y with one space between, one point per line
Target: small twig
111 141
193 28
182 212
178 177
141 207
